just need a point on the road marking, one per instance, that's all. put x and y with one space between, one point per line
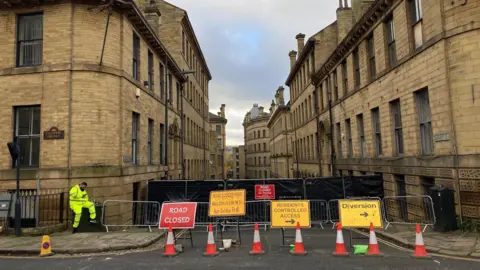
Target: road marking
406 249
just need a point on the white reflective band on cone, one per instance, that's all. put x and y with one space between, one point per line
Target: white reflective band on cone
256 237
298 237
373 238
419 240
170 238
210 238
339 237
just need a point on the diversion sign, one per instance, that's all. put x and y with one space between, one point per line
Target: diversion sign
286 214
359 213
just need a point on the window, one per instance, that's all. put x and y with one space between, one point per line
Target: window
150 71
150 139
136 57
265 173
220 145
218 129
183 42
212 160
264 133
335 83
425 121
345 78
392 51
397 126
27 131
178 96
339 140
162 80
265 161
161 138
170 89
371 55
29 40
348 128
135 122
377 131
264 147
416 13
356 67
361 135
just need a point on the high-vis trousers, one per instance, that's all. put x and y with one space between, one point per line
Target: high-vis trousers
77 209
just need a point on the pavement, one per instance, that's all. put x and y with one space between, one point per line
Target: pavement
319 243
457 243
80 243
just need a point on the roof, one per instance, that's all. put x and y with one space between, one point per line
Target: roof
186 19
131 11
277 111
215 118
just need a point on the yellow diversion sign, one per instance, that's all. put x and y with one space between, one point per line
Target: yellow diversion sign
227 203
359 214
286 214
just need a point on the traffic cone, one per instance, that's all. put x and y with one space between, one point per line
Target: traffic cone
170 246
299 249
420 251
211 249
373 249
46 248
340 249
257 243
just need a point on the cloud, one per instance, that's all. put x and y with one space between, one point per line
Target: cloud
246 44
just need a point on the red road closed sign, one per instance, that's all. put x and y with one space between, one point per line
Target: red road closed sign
264 192
180 215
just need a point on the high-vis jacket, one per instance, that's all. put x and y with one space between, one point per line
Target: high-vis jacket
77 196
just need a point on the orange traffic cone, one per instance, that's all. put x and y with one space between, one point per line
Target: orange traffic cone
211 249
257 243
420 251
340 249
299 249
373 249
170 246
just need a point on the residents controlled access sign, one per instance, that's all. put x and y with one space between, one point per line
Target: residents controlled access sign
180 215
286 214
227 203
359 213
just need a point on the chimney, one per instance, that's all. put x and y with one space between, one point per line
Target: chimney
272 107
281 99
344 20
359 8
293 58
222 110
152 14
219 114
300 42
260 110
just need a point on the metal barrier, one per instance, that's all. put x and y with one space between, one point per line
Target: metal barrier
124 213
334 213
319 212
409 210
201 216
255 212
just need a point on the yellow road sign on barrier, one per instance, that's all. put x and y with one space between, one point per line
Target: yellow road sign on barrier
227 203
286 214
359 214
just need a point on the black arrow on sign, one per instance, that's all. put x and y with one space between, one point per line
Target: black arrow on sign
291 221
365 214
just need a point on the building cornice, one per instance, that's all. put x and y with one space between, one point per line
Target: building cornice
276 113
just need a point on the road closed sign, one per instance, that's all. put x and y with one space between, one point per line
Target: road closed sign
360 213
180 215
286 214
225 203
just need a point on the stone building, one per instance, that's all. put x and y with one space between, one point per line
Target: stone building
257 142
82 113
218 124
404 83
238 162
281 139
174 27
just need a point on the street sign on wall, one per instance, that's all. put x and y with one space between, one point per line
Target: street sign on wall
264 192
225 203
286 214
359 214
180 215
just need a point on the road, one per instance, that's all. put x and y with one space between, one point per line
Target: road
319 244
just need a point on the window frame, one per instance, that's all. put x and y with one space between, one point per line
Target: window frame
348 127
372 68
150 71
361 135
424 118
136 57
135 132
356 68
30 136
377 131
395 109
391 41
19 41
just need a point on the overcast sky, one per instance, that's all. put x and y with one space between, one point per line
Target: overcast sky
246 44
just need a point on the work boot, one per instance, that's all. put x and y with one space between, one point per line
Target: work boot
93 221
74 230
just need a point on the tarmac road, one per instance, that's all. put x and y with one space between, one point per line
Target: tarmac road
319 243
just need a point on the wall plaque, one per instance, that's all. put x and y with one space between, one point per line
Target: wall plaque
54 134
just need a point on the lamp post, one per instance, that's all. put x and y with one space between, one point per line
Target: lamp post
332 148
14 149
182 120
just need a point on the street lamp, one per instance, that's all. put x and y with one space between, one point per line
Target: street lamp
332 148
14 149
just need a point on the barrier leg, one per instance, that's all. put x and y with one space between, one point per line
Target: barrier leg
321 225
149 229
386 227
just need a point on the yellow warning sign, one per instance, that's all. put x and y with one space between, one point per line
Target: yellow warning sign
359 214
227 203
286 214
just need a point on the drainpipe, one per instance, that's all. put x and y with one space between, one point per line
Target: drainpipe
70 98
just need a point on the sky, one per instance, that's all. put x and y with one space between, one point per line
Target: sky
246 45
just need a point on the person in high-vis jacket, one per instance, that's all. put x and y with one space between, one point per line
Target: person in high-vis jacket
78 201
